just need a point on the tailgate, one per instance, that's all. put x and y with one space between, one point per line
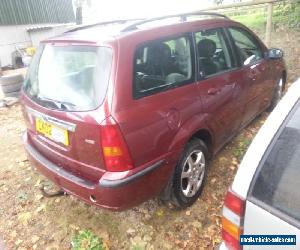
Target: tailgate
70 140
63 95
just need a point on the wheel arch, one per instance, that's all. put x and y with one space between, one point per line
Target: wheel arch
196 127
206 136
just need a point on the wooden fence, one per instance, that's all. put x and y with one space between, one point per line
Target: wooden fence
269 4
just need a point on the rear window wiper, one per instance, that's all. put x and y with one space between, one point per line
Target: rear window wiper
58 104
67 105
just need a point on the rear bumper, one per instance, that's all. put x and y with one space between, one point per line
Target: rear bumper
114 191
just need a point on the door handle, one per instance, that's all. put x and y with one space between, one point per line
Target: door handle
213 91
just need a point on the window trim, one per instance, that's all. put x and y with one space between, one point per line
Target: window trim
238 55
191 80
272 210
230 50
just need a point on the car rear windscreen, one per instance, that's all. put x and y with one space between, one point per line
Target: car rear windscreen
277 181
73 78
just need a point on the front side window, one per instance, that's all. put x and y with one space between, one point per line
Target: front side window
160 65
214 55
278 179
247 46
73 78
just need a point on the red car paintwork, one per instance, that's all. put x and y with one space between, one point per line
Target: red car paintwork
156 128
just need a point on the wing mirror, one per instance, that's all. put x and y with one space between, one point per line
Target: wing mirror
275 53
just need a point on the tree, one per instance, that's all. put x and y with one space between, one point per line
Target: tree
217 2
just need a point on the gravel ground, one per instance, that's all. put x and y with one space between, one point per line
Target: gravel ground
30 221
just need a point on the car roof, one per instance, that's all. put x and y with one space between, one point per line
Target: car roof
258 147
107 32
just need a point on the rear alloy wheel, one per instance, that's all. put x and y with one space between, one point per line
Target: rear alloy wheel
190 174
278 93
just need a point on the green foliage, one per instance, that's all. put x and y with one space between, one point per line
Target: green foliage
22 196
253 20
242 147
137 247
284 15
86 240
287 14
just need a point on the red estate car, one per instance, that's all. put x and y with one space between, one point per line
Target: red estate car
120 112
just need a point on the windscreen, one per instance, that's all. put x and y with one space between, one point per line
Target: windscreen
73 78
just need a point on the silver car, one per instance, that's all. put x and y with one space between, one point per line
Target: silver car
264 198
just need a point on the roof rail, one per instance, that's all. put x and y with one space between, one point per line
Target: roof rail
86 26
182 16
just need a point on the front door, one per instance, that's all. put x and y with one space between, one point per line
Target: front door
219 83
255 72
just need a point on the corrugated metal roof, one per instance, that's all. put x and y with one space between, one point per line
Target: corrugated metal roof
17 12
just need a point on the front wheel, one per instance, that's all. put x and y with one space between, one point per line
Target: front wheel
190 174
278 93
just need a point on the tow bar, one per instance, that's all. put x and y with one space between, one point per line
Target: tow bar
50 194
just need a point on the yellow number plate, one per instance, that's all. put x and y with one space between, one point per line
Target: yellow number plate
54 133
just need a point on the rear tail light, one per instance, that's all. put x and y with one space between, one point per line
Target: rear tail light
115 151
233 220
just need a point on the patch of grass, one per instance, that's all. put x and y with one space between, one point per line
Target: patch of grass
242 147
255 20
137 247
284 14
87 240
22 196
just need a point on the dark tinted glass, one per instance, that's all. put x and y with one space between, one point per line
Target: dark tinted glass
214 56
278 179
160 65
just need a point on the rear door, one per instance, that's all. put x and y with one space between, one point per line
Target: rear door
219 85
163 95
273 204
255 70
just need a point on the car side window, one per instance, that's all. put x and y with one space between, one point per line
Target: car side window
214 55
160 65
247 46
277 179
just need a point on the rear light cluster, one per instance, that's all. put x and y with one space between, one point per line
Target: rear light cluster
233 220
115 151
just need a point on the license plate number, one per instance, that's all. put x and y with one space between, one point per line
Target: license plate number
51 131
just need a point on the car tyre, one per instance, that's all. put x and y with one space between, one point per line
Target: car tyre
15 94
278 93
11 79
11 85
190 174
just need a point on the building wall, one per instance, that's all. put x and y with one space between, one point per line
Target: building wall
12 36
17 15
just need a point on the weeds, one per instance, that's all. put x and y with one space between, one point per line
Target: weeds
87 240
242 147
